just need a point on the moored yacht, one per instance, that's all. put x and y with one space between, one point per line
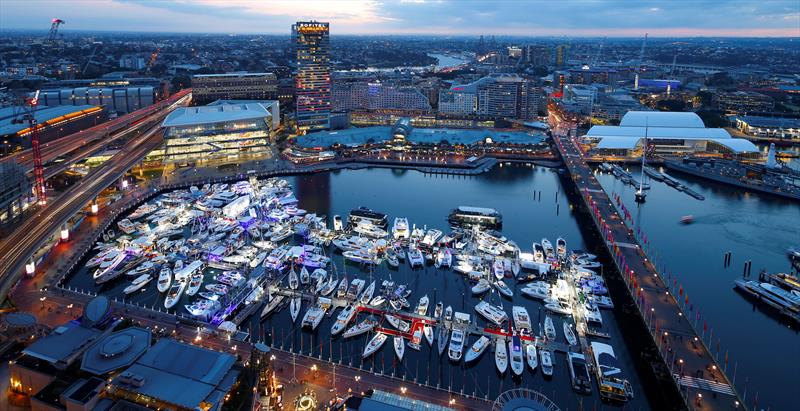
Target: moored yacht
442 338
456 345
549 328
561 247
138 283
515 351
399 347
294 307
491 313
360 328
174 294
503 288
345 316
531 357
549 252
477 349
400 228
396 322
570 334
374 344
522 321
415 257
547 362
422 307
500 355
483 285
368 293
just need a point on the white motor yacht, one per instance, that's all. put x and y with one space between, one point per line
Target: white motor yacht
415 257
522 321
531 356
503 288
456 345
482 286
500 355
422 307
174 294
477 349
561 248
362 255
549 252
194 284
138 283
547 362
549 328
516 357
400 229
313 317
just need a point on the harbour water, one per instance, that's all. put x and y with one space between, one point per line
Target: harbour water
761 348
447 60
533 206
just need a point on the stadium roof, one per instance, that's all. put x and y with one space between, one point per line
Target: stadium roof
661 119
181 374
190 116
42 114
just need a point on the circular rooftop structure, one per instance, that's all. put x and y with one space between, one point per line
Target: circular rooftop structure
97 310
19 320
523 399
115 345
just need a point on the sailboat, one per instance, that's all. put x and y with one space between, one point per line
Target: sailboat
294 282
427 331
374 344
367 295
294 308
399 347
304 276
443 338
640 195
569 334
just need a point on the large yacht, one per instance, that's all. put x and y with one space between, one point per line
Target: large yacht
456 345
400 230
787 302
515 349
475 216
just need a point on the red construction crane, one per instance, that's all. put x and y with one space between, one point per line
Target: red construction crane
38 168
52 35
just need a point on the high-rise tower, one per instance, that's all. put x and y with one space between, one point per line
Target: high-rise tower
313 81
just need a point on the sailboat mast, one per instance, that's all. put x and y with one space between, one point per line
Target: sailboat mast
644 154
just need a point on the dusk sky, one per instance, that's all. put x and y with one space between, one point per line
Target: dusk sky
457 17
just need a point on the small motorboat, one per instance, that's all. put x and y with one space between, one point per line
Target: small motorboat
547 362
570 334
481 287
500 355
477 349
531 356
503 288
687 219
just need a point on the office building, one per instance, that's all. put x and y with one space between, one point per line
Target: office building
207 88
313 80
217 131
580 96
361 95
15 189
495 96
560 55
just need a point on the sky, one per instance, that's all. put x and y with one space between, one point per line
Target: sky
574 18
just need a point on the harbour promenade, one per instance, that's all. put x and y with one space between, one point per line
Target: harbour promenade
700 379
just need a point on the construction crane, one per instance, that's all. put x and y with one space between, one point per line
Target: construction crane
640 63
29 115
52 35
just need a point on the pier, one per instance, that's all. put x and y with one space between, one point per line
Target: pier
695 371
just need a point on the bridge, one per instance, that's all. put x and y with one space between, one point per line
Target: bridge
696 373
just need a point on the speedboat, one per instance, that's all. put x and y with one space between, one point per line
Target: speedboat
345 316
561 247
448 313
391 258
549 253
194 284
491 313
415 257
569 334
437 311
174 294
396 322
498 269
400 228
422 307
547 362
374 344
481 287
549 328
515 349
477 349
138 283
531 357
217 289
360 328
399 347
367 295
294 307
522 321
503 288
427 331
456 345
443 338
500 355
558 308
294 281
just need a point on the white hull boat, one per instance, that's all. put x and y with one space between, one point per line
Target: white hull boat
549 328
374 344
138 283
500 355
477 349
531 356
360 328
294 308
399 347
516 357
456 345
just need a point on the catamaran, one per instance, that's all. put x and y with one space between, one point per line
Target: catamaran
374 344
456 345
313 317
415 257
345 316
500 355
515 349
444 258
491 313
138 283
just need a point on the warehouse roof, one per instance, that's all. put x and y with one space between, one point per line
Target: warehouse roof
661 119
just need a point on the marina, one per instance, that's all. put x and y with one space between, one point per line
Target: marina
461 320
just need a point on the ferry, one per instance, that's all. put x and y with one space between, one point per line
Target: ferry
374 344
500 355
547 362
294 307
174 294
579 373
515 349
399 347
396 322
475 216
531 357
138 283
337 223
360 328
609 376
365 214
456 345
271 305
477 349
569 334
443 338
400 230
345 316
491 313
549 328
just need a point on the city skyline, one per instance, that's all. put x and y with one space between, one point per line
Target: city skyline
611 18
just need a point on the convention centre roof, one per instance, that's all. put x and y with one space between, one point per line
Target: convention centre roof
661 119
191 116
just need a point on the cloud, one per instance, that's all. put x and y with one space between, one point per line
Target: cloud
447 17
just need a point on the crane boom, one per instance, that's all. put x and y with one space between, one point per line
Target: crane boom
38 168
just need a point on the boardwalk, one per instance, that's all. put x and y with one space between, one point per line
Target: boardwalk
696 372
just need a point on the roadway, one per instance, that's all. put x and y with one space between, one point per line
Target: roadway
19 246
700 379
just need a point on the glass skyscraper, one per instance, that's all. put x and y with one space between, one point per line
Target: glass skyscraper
313 81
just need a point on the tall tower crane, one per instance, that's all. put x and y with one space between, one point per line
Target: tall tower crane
38 168
51 36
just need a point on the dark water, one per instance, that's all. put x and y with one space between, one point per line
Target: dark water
761 347
426 200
